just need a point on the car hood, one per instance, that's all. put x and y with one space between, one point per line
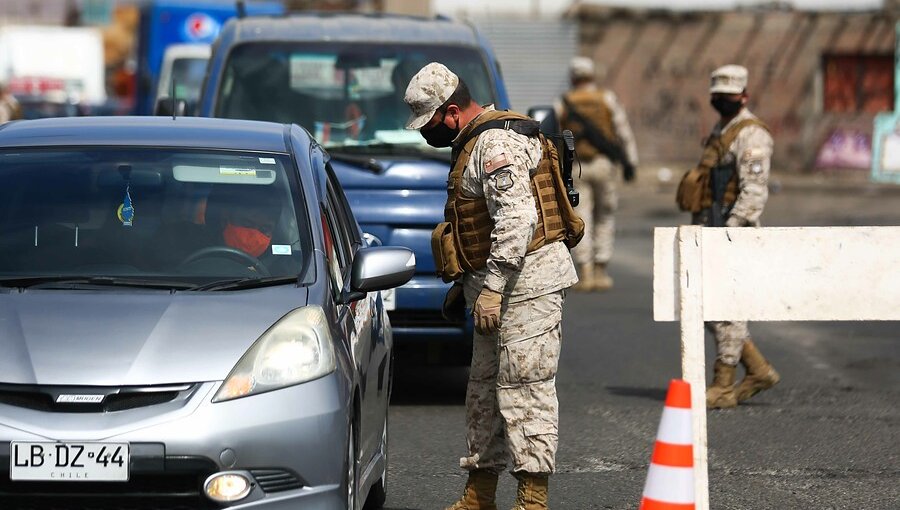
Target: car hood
113 338
397 173
407 192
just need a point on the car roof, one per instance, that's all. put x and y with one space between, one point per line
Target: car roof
352 27
192 132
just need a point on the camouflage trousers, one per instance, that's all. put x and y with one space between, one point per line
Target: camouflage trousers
730 338
597 206
511 404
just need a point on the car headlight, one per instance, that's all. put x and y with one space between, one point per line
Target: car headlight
295 350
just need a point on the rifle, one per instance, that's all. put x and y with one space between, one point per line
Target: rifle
718 181
568 156
607 147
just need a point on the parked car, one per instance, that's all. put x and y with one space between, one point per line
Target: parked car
343 77
188 319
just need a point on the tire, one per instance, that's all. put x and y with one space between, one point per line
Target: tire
351 478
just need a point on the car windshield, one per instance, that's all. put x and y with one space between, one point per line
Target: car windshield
188 73
345 94
150 214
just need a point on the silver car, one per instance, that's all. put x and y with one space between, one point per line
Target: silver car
189 319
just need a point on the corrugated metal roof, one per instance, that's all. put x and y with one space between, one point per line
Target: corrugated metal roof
534 57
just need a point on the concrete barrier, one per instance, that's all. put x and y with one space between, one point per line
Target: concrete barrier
767 274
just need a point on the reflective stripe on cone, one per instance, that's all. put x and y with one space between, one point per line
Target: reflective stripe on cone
670 478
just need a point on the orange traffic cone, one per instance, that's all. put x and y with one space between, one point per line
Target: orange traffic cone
670 479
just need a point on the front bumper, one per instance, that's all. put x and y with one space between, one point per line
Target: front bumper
290 441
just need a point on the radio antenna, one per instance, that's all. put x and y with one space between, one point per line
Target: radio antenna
174 101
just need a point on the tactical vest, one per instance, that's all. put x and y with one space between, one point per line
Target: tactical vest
591 104
695 191
463 242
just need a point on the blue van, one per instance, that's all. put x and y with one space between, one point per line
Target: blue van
343 77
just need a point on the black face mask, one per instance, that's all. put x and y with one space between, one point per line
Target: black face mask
726 107
440 135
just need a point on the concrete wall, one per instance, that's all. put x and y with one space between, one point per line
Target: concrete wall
659 64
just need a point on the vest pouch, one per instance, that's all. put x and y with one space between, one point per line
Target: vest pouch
572 224
443 249
691 190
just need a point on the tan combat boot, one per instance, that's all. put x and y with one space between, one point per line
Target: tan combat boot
481 487
760 374
602 281
532 492
585 278
721 394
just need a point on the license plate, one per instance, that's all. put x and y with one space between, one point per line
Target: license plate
69 462
389 298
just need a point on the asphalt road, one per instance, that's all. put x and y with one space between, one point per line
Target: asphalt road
827 437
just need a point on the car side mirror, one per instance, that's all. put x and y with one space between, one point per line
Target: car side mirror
546 115
381 268
165 107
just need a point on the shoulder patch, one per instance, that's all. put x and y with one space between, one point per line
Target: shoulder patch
497 162
504 180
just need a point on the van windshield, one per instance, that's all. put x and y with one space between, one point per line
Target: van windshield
150 214
344 94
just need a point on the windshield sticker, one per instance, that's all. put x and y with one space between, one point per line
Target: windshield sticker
267 161
281 249
234 171
225 174
125 212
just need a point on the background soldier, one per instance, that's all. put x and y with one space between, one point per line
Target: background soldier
10 109
603 141
737 159
515 291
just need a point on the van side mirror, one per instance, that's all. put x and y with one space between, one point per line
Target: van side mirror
165 107
546 115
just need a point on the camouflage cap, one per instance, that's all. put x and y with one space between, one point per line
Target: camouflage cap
730 79
581 67
430 88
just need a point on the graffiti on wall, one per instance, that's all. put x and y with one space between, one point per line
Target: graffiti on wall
845 148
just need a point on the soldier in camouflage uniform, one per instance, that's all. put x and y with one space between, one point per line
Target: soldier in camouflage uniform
511 403
597 183
745 157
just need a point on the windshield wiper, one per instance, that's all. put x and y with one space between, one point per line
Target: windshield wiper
363 161
247 283
71 281
392 149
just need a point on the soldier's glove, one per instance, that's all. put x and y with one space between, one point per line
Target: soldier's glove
487 311
735 221
454 309
628 172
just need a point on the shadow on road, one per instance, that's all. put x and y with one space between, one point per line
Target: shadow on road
658 394
423 385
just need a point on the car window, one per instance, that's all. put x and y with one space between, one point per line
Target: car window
344 93
333 251
188 74
342 239
343 205
174 214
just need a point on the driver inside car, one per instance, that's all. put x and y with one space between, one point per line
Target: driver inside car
249 227
233 217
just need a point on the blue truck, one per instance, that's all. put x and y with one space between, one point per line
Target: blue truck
167 22
343 77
